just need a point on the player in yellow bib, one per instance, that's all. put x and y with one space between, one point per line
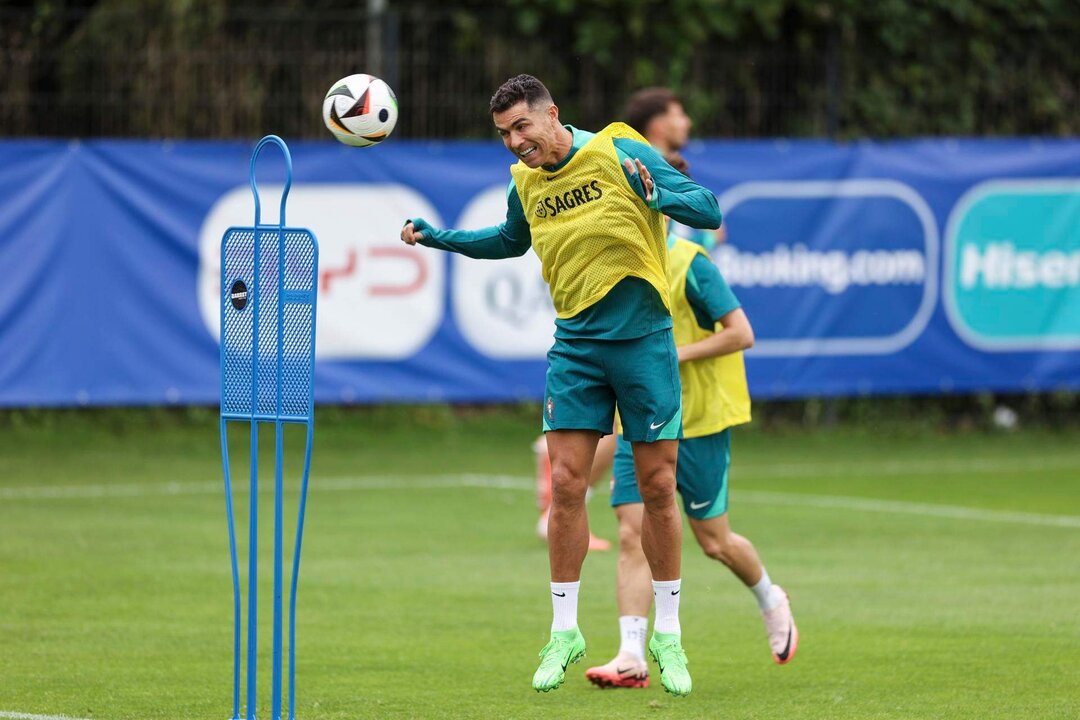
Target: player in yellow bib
658 114
711 331
591 206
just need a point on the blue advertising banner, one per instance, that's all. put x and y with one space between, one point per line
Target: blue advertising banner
866 268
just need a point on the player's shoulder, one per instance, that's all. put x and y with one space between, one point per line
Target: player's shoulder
621 132
701 265
706 272
637 148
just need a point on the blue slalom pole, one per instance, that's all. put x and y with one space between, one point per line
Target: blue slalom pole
278 490
296 570
235 570
275 713
253 519
253 355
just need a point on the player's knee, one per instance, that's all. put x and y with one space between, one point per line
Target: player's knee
718 548
657 488
629 537
567 488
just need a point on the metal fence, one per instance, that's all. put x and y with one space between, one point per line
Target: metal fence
136 70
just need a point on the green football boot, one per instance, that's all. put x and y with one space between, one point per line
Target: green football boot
565 647
666 650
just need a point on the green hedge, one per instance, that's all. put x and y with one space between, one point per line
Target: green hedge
845 68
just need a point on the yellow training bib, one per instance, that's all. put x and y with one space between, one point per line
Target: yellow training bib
714 391
589 228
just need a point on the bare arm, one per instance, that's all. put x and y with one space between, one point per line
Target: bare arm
734 335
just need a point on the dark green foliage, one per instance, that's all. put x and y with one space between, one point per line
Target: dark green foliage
210 68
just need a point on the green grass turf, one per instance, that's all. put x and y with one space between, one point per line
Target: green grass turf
426 601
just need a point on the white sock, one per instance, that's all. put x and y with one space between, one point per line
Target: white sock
667 593
633 629
564 605
768 595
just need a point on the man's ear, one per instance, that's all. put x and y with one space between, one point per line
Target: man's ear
553 113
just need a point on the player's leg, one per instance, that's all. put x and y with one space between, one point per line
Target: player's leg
579 406
605 450
736 552
703 483
628 669
661 540
633 590
716 538
568 541
646 380
645 375
568 526
661 525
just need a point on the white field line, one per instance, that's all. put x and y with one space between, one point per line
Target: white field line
522 484
902 507
942 467
240 481
26 716
240 485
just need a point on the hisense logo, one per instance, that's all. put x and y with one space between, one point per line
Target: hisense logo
1012 265
1000 266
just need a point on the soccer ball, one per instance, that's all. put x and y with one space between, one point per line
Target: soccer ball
360 110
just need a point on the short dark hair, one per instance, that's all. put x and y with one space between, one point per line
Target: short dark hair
516 89
644 105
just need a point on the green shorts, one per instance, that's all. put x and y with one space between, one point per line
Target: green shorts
586 378
700 476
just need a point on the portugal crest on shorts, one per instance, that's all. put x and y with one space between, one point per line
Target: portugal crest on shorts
550 408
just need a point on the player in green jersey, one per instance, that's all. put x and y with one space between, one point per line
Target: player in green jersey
592 207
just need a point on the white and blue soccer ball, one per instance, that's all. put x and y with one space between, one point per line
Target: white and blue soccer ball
360 110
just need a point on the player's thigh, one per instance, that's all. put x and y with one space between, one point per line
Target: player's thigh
644 374
702 474
577 394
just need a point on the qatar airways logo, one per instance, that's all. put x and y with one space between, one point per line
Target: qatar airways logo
502 308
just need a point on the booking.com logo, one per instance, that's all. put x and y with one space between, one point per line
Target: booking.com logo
1012 265
854 261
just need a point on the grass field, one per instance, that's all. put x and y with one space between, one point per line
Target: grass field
932 576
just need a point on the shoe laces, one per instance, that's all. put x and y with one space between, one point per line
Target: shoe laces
553 651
